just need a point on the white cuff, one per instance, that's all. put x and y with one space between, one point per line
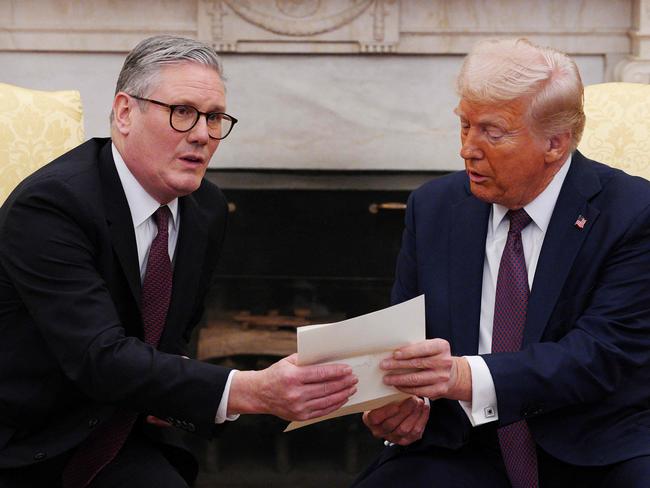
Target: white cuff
222 411
483 407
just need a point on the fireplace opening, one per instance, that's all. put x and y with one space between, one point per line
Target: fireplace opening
301 248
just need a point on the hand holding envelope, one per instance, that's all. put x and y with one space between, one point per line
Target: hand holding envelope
432 371
362 343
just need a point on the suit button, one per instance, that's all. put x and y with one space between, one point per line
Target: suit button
39 456
92 423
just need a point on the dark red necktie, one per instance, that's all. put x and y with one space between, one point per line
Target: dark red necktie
101 447
517 445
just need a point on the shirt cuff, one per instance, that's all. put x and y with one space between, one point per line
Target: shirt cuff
483 407
222 411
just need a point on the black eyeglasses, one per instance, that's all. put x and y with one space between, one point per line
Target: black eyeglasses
183 118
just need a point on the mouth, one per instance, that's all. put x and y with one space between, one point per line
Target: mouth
194 159
475 177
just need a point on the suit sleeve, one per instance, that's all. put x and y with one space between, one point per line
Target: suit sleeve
406 276
49 249
607 343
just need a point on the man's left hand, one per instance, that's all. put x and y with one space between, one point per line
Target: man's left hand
432 371
400 423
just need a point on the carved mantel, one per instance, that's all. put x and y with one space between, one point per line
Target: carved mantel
327 26
320 84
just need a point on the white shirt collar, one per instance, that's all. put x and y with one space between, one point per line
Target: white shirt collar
141 204
541 208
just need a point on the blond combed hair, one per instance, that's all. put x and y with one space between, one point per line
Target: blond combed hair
505 70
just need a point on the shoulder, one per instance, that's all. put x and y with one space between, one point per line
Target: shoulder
78 169
445 190
614 190
71 183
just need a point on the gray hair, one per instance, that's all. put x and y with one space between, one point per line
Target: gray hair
142 66
504 70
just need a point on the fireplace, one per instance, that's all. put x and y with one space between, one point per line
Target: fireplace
301 247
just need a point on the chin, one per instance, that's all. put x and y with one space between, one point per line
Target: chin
187 186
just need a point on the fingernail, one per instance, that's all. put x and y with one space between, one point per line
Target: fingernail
347 370
397 354
384 364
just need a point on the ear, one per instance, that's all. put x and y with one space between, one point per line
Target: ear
123 107
557 147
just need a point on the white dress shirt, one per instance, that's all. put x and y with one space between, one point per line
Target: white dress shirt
483 408
142 207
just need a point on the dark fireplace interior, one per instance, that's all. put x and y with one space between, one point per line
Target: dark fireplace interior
301 248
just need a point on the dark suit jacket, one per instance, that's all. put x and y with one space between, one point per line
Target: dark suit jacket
582 380
71 347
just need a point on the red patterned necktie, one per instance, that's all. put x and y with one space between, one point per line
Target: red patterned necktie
517 445
101 447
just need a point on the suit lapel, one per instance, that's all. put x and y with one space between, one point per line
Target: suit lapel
188 261
119 221
467 254
561 244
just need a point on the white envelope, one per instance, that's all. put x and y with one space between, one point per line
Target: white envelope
362 342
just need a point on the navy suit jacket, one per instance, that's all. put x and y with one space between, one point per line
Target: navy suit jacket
71 347
582 378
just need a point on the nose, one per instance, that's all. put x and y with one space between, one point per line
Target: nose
469 148
199 133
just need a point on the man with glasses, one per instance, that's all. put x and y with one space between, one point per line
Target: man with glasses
106 255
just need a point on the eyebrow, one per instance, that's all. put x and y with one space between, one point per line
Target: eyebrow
487 120
219 108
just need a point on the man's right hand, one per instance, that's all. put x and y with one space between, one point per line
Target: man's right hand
400 423
292 392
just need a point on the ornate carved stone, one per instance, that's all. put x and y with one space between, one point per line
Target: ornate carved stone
634 71
300 25
636 68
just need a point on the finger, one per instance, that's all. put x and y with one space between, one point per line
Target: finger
325 411
411 379
323 403
412 428
432 392
323 372
321 407
408 424
418 428
379 415
393 423
325 389
293 359
390 423
429 347
440 361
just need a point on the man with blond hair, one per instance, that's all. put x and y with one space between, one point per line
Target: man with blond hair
535 264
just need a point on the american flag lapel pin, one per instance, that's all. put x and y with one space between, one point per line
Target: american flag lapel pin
580 222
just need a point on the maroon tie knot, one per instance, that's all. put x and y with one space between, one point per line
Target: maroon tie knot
518 220
161 217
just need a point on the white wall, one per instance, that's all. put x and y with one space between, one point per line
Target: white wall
314 101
